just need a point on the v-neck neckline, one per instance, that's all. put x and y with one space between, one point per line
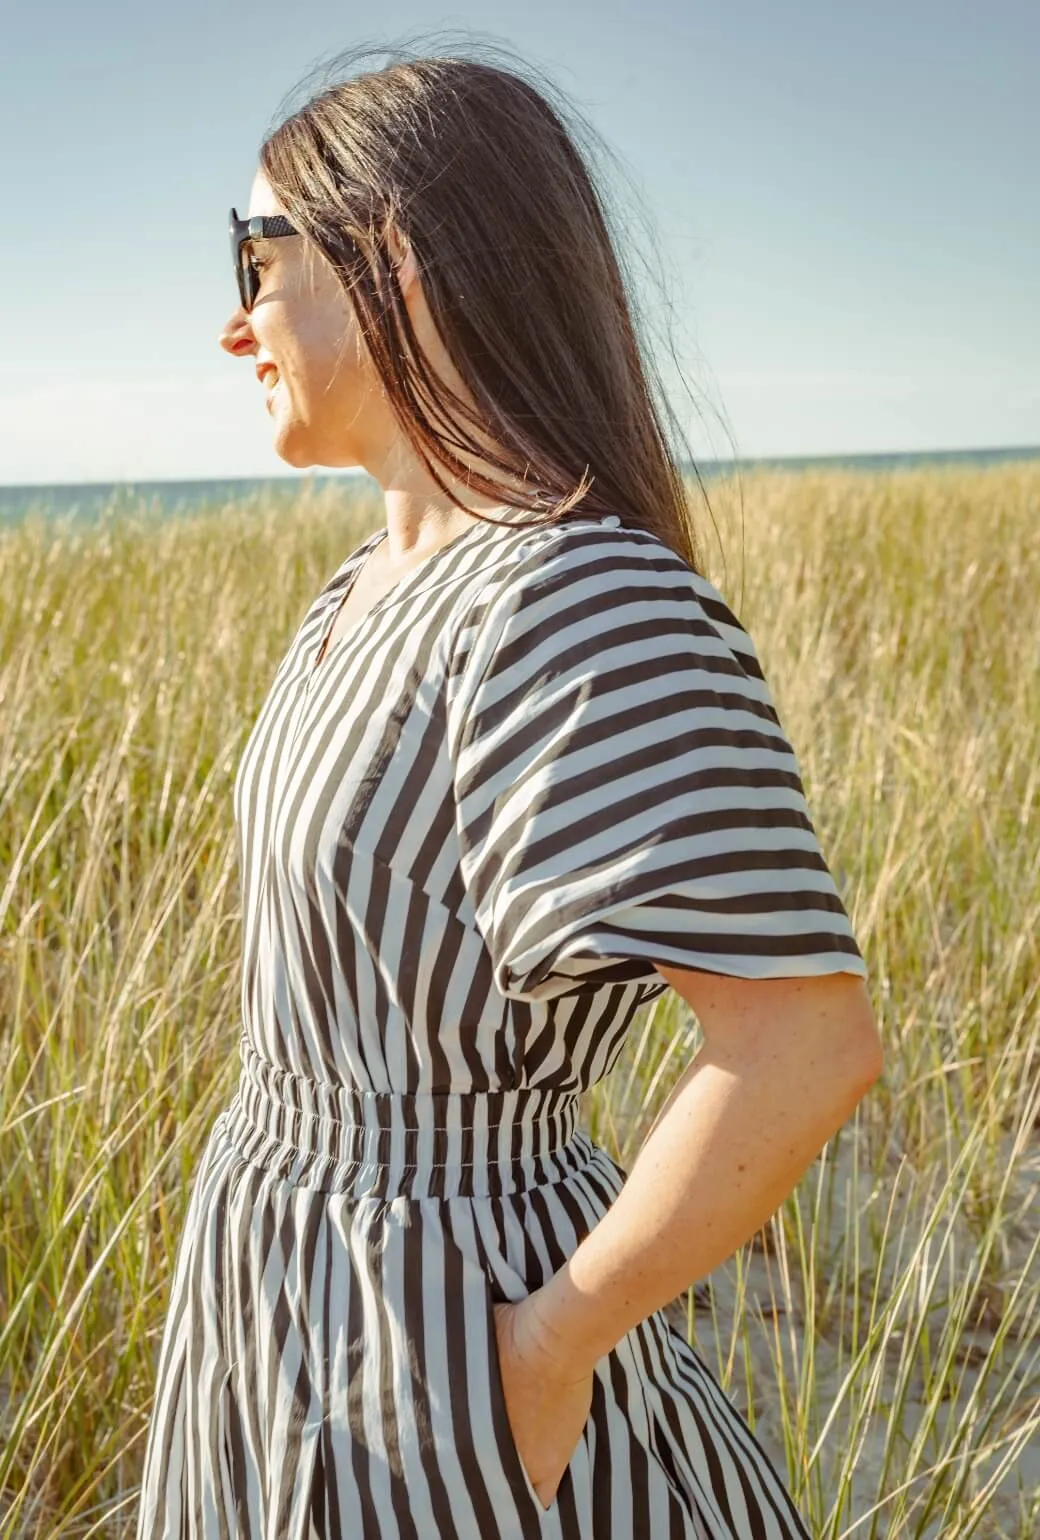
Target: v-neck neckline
316 662
352 568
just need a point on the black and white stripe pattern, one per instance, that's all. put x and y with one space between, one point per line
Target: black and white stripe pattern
543 760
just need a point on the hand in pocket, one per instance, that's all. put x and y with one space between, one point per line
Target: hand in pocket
547 1399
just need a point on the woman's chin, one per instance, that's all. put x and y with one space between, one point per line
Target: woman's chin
290 436
290 445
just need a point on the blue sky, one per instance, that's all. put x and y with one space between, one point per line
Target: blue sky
844 201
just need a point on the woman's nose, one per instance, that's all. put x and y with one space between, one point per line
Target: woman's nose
237 336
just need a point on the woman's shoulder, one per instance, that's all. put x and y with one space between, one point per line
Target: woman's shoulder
605 571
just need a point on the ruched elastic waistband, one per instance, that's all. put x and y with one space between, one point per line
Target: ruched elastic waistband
387 1144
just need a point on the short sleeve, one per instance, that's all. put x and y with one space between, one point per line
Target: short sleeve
624 790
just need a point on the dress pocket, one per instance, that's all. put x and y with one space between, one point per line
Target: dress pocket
516 1472
509 1454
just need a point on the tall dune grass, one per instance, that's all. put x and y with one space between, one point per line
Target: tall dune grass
881 1333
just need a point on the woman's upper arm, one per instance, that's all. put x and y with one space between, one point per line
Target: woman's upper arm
828 1017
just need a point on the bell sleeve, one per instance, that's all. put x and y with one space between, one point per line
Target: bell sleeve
624 790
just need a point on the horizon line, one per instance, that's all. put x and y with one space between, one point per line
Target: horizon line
330 472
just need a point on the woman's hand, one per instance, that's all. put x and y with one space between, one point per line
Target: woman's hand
548 1395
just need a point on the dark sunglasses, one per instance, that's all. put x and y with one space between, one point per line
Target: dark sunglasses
262 227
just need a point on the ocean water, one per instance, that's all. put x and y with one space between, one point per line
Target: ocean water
167 499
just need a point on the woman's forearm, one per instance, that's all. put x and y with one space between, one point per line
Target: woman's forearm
729 1145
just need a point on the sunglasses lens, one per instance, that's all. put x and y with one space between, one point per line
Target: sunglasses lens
245 276
247 279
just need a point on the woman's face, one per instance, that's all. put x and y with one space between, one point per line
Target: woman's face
324 399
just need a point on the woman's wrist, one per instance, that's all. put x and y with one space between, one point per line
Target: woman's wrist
577 1323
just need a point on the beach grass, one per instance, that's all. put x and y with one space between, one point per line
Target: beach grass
882 1332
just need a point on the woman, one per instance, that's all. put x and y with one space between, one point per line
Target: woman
518 773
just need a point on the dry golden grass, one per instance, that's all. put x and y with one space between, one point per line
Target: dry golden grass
881 1333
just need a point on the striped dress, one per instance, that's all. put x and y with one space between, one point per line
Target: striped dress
544 760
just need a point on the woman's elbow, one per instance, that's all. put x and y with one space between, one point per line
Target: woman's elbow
865 1048
844 1031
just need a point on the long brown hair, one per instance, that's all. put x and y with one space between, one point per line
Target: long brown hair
475 168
